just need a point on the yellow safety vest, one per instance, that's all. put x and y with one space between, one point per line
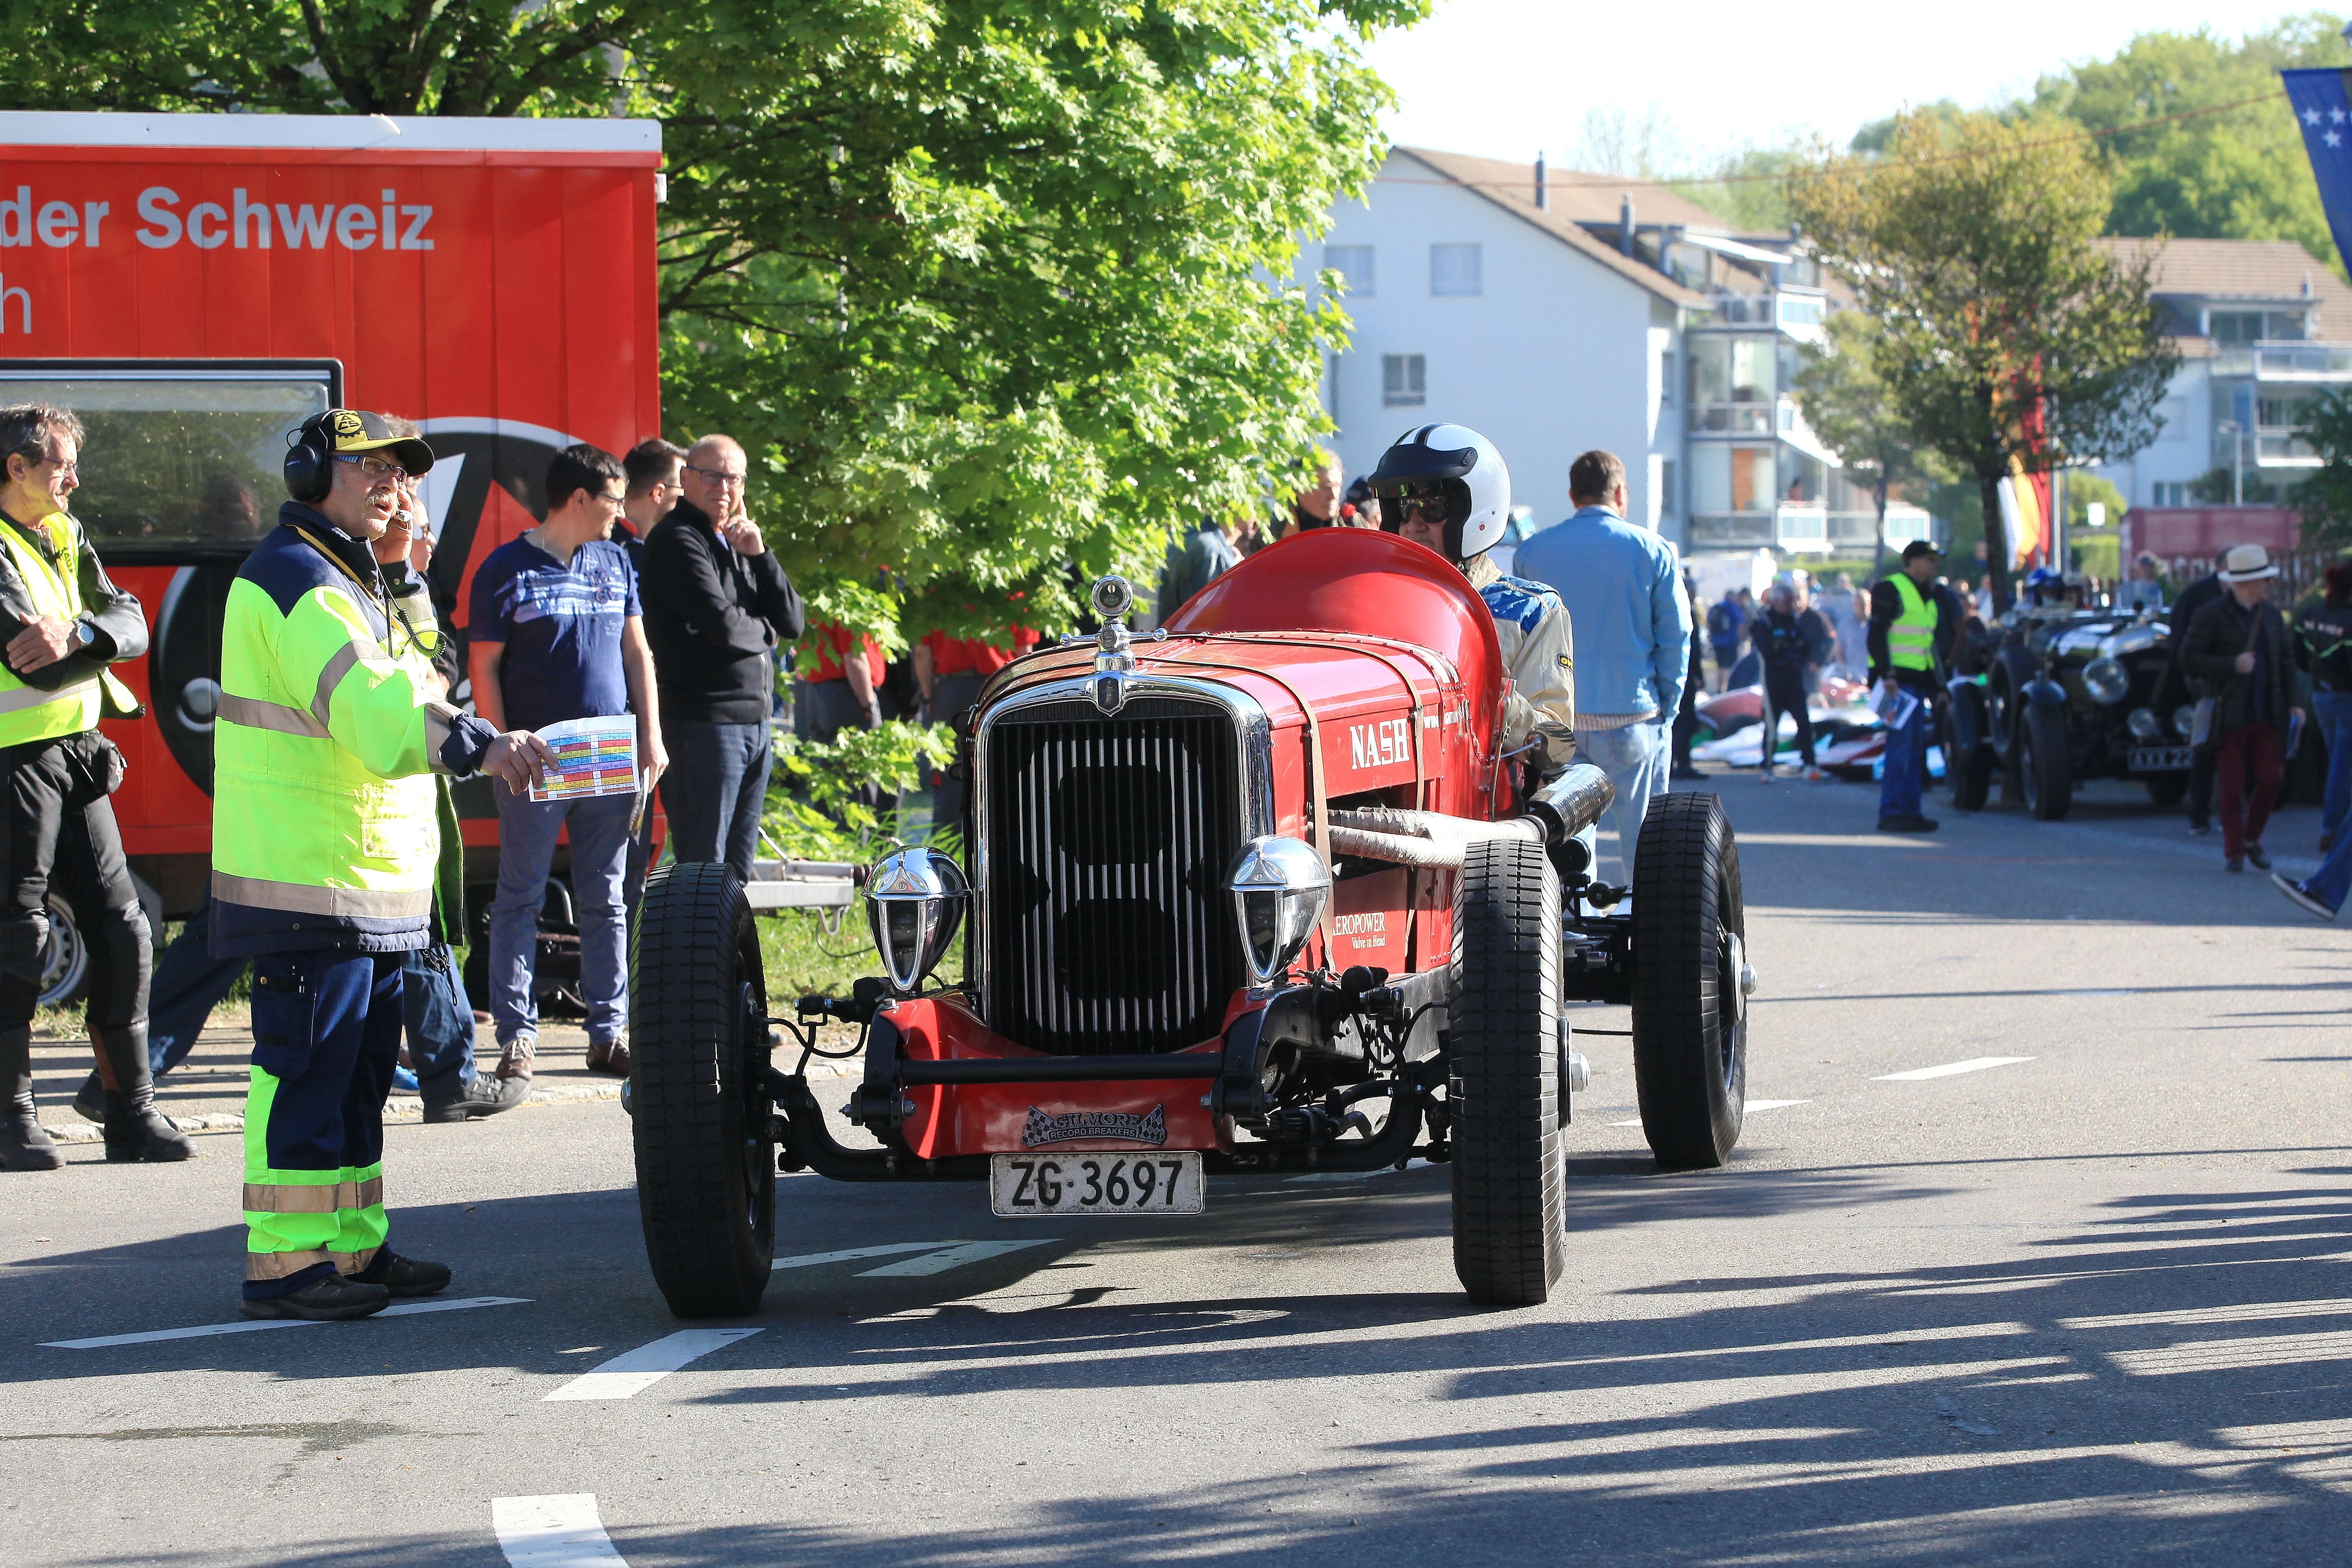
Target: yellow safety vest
1911 640
26 712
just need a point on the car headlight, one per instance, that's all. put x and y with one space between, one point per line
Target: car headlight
2144 724
2105 680
2184 721
915 901
1279 886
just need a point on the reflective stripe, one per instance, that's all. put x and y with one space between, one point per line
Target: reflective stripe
330 676
256 714
24 697
294 896
355 1262
268 1197
259 1266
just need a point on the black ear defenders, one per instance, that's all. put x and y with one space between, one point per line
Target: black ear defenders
310 464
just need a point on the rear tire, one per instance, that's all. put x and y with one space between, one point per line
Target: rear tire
2045 766
1505 1092
1969 771
1690 1015
706 1164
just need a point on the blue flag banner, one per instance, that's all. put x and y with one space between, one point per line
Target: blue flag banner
2325 115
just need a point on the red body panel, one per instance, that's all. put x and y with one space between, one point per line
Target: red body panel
528 324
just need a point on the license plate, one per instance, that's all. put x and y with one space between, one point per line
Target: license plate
1093 1182
2159 759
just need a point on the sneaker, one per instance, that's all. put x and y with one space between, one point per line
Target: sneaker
486 1096
329 1299
1687 775
1911 824
1764 775
516 1057
405 1277
2301 893
404 1080
1817 776
2199 830
2234 863
2254 853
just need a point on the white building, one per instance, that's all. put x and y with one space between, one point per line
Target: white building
2264 327
1560 313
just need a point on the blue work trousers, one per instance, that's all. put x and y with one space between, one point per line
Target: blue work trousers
1906 764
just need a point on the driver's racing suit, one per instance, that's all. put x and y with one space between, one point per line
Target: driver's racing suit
1539 652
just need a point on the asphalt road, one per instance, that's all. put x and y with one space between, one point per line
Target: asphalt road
2088 1306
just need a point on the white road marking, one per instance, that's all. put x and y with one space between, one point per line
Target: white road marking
1635 1122
811 1259
254 1325
640 1369
1745 1107
1974 1064
953 1258
560 1531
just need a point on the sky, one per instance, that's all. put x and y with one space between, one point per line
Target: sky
1507 78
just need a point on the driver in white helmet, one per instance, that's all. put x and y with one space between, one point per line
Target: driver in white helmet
1445 486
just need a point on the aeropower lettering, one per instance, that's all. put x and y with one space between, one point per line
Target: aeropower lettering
1367 930
243 223
1381 745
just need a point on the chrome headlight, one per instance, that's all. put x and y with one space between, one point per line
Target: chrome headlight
2184 721
915 903
2105 680
1279 886
2143 724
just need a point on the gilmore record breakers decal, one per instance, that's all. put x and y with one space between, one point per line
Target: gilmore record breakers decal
1075 1126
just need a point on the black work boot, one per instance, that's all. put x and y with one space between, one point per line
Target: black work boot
486 1096
404 1275
89 1099
135 1130
24 1144
328 1299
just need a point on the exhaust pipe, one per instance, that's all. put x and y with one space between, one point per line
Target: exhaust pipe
1569 802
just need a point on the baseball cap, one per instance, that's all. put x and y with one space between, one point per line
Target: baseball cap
349 431
1918 547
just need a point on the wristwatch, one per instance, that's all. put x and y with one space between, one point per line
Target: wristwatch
83 635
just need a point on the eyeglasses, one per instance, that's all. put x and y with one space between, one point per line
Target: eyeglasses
62 465
618 503
376 469
718 476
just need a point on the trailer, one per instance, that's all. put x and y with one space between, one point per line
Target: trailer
195 286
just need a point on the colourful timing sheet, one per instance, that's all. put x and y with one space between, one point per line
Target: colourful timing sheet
593 757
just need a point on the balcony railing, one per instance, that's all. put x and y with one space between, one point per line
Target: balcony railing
2286 362
1732 419
1799 529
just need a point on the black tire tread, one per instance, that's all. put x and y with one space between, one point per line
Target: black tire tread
1685 890
689 1127
2042 737
1508 1177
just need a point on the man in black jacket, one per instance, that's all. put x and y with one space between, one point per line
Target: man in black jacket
2206 590
717 607
2241 654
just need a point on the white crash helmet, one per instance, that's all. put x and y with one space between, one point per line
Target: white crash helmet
1459 463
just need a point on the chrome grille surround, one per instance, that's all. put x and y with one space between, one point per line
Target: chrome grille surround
1020 958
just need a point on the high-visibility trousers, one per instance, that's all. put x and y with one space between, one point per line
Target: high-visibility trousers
326 1038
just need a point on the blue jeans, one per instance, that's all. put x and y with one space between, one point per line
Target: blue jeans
1635 758
2333 878
599 849
440 1021
715 790
2332 711
189 984
1906 765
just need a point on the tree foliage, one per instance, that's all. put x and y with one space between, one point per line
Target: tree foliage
2325 497
993 293
1848 404
1973 251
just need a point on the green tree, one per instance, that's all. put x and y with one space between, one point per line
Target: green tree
990 291
1849 406
1974 251
2325 499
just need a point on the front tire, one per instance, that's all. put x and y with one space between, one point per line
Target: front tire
1505 1092
1690 1008
1967 770
706 1164
2044 764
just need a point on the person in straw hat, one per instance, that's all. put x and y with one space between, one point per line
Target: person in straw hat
2240 654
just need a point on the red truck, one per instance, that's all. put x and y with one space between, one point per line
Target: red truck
193 286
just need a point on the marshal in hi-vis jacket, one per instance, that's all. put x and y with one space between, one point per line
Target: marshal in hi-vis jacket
324 809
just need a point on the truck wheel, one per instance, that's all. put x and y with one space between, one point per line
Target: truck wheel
2044 764
1968 770
1690 1004
705 1166
1505 1090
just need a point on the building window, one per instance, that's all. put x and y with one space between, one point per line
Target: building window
1667 378
2233 326
1666 488
1404 380
1455 270
1354 263
2170 493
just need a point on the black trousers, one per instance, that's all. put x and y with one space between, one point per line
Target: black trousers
1784 693
2204 768
61 838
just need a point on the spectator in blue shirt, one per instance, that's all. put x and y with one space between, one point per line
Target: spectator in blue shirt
556 634
1726 626
1624 596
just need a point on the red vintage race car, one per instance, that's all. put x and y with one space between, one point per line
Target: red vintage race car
1264 890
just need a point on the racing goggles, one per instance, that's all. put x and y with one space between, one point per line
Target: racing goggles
1430 502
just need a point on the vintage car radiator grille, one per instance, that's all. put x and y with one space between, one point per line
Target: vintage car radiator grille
1109 928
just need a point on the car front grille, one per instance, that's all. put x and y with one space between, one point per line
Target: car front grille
1108 926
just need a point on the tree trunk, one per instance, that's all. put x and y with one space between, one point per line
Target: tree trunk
1878 540
1996 536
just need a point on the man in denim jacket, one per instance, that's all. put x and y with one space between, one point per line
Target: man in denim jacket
1623 587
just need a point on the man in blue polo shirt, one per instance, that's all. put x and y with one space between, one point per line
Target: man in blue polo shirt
556 634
